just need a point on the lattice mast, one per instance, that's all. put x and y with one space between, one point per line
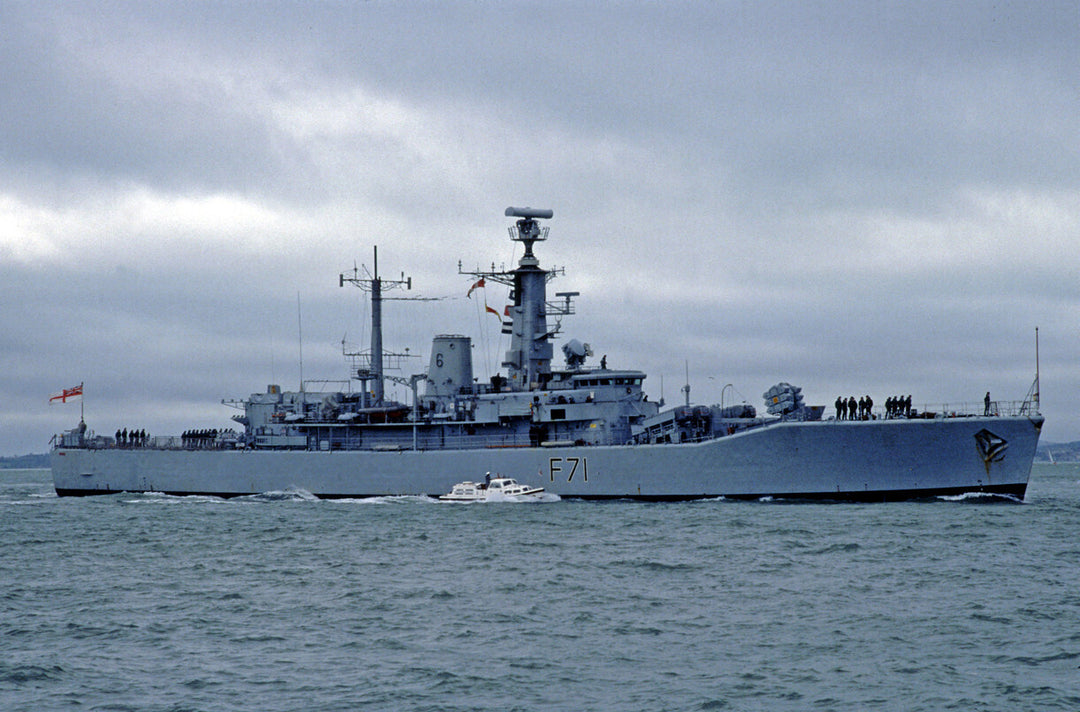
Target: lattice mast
375 286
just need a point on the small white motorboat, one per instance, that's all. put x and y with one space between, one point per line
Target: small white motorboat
492 489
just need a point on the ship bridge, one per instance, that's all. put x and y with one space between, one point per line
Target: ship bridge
607 378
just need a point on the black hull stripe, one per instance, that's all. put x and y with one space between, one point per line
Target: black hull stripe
1012 490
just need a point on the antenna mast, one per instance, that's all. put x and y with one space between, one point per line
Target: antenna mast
375 285
1037 369
528 360
300 338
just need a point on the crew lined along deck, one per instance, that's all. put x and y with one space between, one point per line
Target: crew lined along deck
900 407
684 425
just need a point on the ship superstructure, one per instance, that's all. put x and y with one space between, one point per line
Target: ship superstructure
533 405
586 430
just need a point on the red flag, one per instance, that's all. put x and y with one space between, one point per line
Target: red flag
479 285
493 311
68 394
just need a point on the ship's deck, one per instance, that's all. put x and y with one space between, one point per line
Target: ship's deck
451 435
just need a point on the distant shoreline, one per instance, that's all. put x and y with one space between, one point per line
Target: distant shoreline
25 462
1058 452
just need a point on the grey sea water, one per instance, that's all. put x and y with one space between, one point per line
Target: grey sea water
280 602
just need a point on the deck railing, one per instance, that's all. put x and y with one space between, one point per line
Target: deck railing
426 438
962 409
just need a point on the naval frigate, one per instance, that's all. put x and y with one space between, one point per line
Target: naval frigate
579 430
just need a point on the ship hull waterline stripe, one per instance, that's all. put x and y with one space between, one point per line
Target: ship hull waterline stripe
1016 490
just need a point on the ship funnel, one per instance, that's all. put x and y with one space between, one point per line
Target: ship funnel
450 371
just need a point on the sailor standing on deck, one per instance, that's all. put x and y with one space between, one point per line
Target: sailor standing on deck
986 404
839 408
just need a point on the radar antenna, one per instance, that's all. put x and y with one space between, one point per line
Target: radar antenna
528 230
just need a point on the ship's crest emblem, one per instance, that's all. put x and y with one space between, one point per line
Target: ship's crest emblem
991 447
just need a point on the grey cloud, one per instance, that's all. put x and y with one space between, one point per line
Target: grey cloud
872 197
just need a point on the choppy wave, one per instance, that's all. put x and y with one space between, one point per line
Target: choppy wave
540 498
982 498
163 498
386 499
293 494
281 602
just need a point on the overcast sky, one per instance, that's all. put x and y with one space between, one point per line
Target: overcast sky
853 197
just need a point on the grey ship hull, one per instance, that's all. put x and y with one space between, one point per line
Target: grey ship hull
851 460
